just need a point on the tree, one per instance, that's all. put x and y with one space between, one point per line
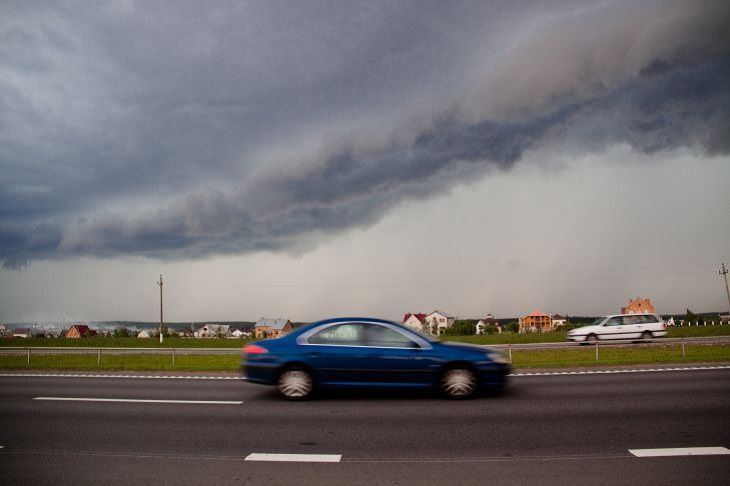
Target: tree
121 331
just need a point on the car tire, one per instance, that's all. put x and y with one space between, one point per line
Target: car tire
458 383
647 336
295 383
592 338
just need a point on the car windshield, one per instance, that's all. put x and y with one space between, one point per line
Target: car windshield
597 321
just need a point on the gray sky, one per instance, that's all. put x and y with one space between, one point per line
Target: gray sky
310 159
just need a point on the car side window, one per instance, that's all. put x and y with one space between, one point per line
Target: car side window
341 335
385 337
615 321
628 320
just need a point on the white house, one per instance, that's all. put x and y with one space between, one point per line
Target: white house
240 333
558 320
213 330
489 320
146 334
414 321
441 320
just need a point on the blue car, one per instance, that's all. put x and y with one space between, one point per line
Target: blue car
365 352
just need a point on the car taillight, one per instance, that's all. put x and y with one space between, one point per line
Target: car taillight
254 349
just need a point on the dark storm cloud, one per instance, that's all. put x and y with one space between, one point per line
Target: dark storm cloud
128 132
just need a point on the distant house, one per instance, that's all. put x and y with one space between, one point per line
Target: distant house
213 331
559 320
78 331
638 306
3 330
241 333
272 328
21 332
414 321
186 333
440 321
488 321
536 322
146 334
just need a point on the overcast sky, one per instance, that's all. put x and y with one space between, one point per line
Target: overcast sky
308 159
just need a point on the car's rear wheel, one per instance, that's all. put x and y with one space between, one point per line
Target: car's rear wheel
647 336
295 383
458 382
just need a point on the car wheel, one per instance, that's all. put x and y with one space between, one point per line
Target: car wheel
458 383
592 338
647 336
295 383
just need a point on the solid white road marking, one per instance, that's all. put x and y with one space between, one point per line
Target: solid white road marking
132 400
256 456
238 378
613 372
680 451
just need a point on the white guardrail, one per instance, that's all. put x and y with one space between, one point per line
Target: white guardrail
506 348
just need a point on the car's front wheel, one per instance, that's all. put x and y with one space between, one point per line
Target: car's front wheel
647 336
295 383
458 383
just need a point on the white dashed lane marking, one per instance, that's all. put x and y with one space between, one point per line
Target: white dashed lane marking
266 457
681 451
134 400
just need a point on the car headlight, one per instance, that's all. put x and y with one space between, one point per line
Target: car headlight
497 357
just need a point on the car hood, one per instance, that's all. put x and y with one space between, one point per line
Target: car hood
584 330
470 347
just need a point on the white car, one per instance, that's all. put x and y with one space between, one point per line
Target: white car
621 326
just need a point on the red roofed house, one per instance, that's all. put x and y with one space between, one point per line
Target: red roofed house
536 322
80 330
414 321
638 306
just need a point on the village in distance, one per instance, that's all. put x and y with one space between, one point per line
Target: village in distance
435 323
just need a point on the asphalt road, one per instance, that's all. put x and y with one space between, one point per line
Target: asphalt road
542 430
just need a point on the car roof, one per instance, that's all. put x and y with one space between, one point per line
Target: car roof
632 314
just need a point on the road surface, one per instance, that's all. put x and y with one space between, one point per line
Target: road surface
545 429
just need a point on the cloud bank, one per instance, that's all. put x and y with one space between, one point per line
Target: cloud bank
174 131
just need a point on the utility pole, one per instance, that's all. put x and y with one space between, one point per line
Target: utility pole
723 272
160 284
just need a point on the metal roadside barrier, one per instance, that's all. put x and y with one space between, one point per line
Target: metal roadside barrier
614 343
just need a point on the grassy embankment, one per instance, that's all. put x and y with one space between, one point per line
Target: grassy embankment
578 356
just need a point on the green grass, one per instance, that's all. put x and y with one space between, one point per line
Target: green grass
578 356
698 331
586 356
124 362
